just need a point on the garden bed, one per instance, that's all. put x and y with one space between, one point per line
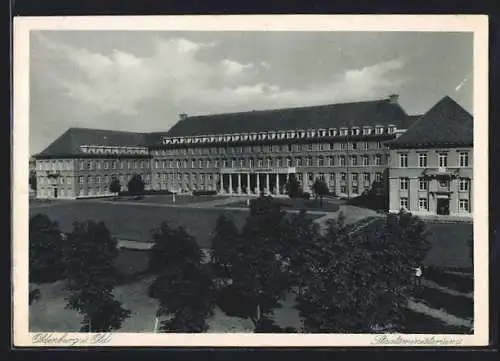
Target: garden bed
459 306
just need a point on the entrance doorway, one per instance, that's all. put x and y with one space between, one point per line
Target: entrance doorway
443 206
55 192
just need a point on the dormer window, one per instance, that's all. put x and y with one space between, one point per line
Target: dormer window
355 131
367 130
344 131
379 129
272 135
332 132
391 129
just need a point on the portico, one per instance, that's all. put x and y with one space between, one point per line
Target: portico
253 181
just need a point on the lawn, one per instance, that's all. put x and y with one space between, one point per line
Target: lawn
328 205
135 222
166 199
449 245
50 315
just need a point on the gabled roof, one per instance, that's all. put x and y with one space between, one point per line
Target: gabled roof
378 112
70 141
445 124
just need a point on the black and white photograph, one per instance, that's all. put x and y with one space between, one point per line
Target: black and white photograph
322 179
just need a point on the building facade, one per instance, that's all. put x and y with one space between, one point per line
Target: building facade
431 165
236 154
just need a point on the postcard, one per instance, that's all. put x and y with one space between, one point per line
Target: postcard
284 180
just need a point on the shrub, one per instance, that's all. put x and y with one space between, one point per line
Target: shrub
204 193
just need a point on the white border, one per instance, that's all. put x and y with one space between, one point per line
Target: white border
478 24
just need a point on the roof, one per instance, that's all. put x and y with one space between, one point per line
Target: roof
70 141
445 124
378 112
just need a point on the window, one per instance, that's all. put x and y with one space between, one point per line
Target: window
309 161
298 162
343 146
403 203
250 163
403 160
379 145
80 179
343 188
354 160
378 176
443 159
331 161
332 146
378 159
122 164
343 176
464 159
363 145
379 130
342 160
299 176
309 147
193 163
463 205
404 184
260 162
332 177
354 178
353 145
288 162
366 177
365 160
422 184
355 189
422 160
98 179
279 162
422 204
299 147
68 180
464 184
82 164
200 163
321 162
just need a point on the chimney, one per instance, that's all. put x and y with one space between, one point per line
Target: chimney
183 116
393 98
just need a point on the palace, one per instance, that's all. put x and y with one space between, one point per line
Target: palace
242 153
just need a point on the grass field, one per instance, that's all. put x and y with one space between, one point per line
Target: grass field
136 222
167 199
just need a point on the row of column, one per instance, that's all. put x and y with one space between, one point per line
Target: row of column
257 188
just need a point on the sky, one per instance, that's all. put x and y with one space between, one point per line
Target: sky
142 80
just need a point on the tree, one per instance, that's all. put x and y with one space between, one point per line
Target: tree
89 255
136 185
115 186
170 247
293 187
45 250
257 269
32 180
299 236
224 245
364 277
320 189
184 286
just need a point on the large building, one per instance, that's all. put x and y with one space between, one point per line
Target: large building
431 164
236 153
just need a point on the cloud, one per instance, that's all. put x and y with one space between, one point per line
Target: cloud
75 86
